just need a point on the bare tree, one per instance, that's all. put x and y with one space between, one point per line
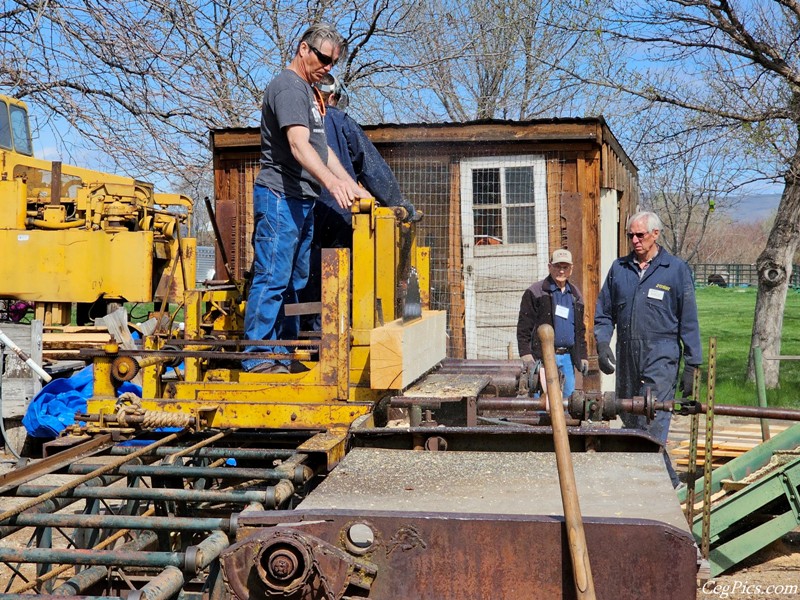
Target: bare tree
485 60
735 65
689 178
143 81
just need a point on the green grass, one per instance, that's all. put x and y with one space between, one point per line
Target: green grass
727 314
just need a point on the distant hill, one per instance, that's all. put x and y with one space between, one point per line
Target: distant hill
755 207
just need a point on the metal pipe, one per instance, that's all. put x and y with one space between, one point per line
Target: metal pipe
469 363
162 587
120 522
54 504
42 374
91 576
53 597
110 558
753 412
210 472
154 494
42 224
238 453
81 582
140 542
76 482
537 404
200 556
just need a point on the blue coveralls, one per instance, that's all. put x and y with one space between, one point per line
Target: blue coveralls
360 158
656 321
332 224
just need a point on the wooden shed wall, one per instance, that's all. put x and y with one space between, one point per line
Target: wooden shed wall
582 158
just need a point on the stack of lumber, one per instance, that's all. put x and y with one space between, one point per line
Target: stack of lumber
731 439
65 342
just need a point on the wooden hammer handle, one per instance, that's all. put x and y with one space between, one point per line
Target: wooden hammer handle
581 570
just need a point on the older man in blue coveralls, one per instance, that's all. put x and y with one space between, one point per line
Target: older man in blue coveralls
360 158
648 296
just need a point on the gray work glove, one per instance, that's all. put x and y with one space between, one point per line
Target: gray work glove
606 358
584 367
687 381
527 358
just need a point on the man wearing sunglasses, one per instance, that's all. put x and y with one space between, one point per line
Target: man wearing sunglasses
296 163
648 296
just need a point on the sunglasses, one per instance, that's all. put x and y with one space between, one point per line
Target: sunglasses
639 236
323 58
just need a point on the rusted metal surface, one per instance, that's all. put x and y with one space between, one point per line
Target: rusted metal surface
419 555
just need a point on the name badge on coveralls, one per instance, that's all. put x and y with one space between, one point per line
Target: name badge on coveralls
563 311
655 294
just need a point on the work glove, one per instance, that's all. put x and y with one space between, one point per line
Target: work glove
528 358
687 381
584 367
605 357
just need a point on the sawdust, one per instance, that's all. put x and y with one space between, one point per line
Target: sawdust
772 573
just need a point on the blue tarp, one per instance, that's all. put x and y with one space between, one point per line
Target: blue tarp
53 409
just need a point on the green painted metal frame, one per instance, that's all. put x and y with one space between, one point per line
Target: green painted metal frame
758 514
749 462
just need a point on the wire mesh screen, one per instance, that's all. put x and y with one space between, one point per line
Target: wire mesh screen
489 221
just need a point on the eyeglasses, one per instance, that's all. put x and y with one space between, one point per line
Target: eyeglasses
323 58
640 236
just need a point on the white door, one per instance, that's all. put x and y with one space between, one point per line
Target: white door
504 236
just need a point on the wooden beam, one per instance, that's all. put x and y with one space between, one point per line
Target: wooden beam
401 352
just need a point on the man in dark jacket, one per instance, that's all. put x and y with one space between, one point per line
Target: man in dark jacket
648 296
559 303
360 158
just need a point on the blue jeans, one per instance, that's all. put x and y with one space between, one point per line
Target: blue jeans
281 242
564 364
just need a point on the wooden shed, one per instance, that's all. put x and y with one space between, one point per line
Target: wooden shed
498 198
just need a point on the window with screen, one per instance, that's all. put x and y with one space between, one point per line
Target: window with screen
503 205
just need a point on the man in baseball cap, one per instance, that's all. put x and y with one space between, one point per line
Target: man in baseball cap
559 303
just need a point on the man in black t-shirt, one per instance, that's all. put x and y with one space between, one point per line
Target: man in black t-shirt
295 163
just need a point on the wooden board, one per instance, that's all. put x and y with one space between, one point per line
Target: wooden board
401 352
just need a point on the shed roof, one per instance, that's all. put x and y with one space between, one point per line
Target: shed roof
567 129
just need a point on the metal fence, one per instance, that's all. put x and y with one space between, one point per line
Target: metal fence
734 275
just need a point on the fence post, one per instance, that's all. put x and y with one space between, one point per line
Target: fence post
761 389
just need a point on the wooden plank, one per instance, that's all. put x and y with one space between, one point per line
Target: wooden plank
16 395
401 352
72 341
455 265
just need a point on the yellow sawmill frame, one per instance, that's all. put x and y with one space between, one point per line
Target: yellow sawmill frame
336 389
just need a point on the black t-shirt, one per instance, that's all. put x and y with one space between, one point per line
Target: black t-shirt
289 100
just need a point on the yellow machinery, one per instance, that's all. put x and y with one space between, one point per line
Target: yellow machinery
298 486
73 235
351 362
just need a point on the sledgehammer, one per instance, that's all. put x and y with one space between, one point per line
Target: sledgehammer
581 570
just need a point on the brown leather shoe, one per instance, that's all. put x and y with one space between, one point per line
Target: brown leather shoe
270 367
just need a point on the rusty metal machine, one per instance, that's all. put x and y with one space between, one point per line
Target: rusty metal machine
382 471
72 235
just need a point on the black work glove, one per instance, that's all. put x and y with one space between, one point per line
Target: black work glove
605 357
687 381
